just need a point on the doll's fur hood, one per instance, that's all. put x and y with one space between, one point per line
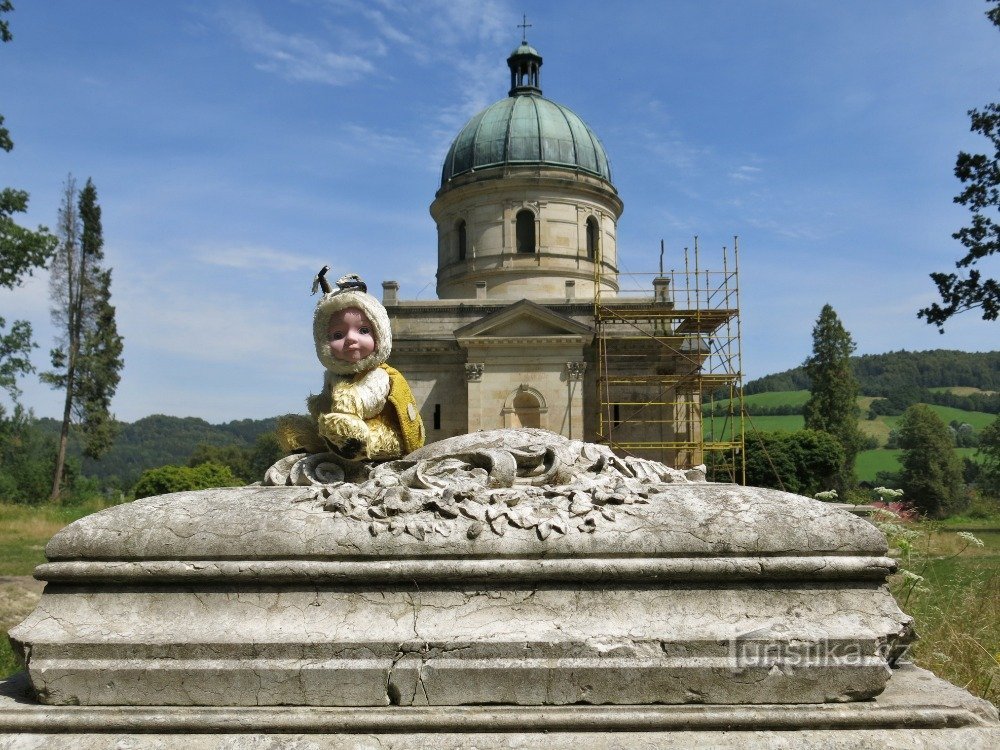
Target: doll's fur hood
341 299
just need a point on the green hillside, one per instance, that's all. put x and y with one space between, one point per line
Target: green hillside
884 374
158 440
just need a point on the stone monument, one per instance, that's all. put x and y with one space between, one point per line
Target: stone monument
510 588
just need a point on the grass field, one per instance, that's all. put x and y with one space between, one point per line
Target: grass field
869 463
978 419
720 428
777 398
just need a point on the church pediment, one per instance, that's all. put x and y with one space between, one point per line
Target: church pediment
524 322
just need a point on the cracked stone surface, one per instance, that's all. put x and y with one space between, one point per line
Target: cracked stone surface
917 710
363 594
253 523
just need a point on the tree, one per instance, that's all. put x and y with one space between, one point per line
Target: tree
21 251
989 454
832 406
27 457
980 174
931 477
804 462
87 361
248 464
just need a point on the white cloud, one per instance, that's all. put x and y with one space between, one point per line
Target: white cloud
293 56
254 258
745 173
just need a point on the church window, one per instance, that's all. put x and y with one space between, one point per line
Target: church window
592 237
460 229
525 231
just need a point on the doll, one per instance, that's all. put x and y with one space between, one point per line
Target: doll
365 410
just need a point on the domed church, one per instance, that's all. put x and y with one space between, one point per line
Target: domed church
526 220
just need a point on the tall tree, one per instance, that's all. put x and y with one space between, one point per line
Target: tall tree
980 174
832 406
931 478
21 251
87 360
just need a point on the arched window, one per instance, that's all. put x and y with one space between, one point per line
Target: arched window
460 230
527 410
593 232
525 231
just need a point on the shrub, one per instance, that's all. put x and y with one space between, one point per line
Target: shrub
805 462
167 479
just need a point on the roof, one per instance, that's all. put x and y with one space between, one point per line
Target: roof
526 129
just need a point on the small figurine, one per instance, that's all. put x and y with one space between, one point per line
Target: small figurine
365 410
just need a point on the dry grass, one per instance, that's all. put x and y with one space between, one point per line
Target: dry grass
956 607
876 428
26 529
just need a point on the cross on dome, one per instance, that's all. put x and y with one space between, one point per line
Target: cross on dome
524 26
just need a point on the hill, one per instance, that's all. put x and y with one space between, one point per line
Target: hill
158 440
962 380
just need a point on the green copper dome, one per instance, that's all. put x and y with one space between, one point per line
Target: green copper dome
525 129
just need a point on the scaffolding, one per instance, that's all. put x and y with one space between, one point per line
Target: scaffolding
669 364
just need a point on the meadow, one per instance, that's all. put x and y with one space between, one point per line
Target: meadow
951 587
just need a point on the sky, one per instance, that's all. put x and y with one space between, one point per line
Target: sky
237 147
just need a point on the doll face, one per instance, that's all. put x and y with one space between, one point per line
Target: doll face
351 335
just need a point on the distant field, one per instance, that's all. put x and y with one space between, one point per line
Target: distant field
978 419
778 398
959 390
719 429
877 428
869 463
772 398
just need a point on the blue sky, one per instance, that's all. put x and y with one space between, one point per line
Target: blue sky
238 146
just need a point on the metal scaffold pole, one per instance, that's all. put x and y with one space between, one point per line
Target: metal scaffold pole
666 372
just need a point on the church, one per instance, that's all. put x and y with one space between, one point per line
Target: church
528 328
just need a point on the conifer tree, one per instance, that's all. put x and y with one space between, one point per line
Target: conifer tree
832 406
87 360
931 478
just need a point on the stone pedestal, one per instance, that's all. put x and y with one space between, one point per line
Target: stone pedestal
258 596
480 594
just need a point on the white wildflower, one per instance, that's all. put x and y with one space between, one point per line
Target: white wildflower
887 492
970 538
828 495
909 575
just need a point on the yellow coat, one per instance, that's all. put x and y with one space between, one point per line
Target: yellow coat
392 431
